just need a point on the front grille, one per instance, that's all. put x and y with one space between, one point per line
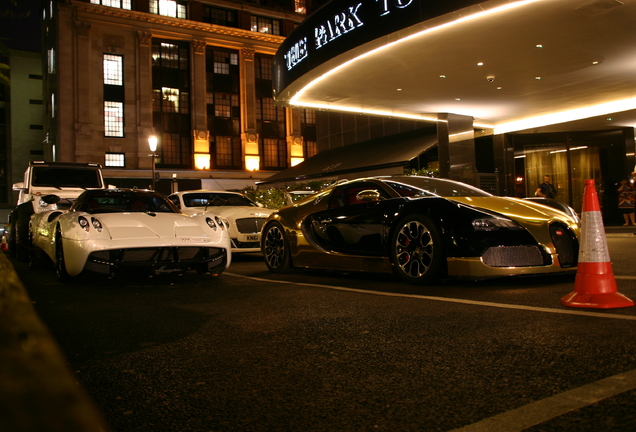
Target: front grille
513 256
154 255
565 243
157 261
249 225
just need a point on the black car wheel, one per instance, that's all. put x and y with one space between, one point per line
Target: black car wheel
275 248
12 243
416 250
60 263
18 244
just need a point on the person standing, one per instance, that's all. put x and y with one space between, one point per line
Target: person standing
546 189
626 202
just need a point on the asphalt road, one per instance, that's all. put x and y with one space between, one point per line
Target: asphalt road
327 351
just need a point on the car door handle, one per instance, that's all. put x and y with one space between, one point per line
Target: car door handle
325 221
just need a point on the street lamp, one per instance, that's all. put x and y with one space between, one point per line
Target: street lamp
152 143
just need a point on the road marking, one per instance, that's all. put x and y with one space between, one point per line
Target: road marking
546 409
448 300
524 417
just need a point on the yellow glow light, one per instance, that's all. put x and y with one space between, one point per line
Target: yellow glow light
567 116
296 160
295 100
252 163
202 161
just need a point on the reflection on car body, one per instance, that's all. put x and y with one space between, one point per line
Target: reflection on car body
421 228
115 231
244 217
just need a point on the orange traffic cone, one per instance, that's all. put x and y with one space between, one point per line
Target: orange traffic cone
595 285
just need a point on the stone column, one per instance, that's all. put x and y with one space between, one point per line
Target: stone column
85 124
201 134
249 135
144 96
295 151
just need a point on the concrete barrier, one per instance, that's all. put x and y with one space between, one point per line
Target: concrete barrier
38 391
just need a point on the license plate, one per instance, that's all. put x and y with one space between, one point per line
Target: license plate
253 237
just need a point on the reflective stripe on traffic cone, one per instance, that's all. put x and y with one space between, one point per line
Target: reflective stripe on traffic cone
595 284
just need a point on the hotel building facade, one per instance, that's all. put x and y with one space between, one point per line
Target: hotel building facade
197 75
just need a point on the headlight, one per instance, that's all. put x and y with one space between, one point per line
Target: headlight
494 224
221 222
43 206
97 224
83 223
210 223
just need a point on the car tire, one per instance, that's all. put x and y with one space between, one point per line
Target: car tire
275 248
60 263
11 241
20 232
416 250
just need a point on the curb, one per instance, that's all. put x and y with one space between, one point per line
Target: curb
38 392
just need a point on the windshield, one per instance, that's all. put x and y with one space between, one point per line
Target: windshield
216 199
66 177
414 186
118 201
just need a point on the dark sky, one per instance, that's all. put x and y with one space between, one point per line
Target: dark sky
20 24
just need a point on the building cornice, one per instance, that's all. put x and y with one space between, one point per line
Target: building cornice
155 21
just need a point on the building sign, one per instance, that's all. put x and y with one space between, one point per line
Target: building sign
345 21
340 26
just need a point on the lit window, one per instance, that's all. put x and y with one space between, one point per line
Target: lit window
113 119
300 6
113 70
221 68
120 4
169 8
169 55
265 25
222 105
170 99
115 160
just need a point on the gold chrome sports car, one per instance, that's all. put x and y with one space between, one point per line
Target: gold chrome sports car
420 228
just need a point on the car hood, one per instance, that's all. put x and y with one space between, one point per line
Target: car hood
144 225
231 212
516 208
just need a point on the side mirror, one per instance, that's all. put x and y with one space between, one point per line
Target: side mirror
18 186
368 195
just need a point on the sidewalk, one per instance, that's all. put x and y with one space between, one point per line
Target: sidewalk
620 231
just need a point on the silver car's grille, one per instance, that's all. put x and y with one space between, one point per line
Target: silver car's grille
513 256
249 225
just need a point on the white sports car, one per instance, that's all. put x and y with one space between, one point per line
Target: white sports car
115 231
244 216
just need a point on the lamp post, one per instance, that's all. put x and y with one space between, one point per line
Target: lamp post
152 143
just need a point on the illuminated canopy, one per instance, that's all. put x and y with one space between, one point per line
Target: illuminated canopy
512 65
